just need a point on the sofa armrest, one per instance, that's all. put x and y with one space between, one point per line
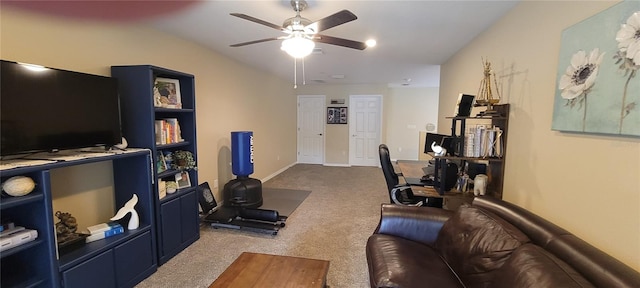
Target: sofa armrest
421 224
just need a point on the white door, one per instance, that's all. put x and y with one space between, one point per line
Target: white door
365 123
311 129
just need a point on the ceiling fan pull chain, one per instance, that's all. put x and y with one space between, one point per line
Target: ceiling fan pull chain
304 79
295 73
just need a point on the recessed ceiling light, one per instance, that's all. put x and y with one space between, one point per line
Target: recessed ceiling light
371 43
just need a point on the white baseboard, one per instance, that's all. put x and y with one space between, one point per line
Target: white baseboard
265 179
336 165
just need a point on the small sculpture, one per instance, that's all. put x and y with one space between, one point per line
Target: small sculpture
488 95
128 207
66 227
18 186
480 184
438 150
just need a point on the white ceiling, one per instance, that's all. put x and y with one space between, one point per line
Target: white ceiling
414 37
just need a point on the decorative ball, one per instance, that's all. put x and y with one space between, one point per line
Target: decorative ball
18 185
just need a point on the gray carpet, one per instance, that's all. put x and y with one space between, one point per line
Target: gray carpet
332 223
285 201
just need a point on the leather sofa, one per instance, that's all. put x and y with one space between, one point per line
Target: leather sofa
490 243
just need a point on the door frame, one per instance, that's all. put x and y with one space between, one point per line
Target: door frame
352 119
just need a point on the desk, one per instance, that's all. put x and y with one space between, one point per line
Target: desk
413 169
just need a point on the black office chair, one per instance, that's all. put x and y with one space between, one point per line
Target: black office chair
398 193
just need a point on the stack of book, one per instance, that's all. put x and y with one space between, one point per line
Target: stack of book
168 131
483 141
104 230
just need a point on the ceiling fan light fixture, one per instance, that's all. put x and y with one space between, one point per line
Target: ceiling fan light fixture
298 47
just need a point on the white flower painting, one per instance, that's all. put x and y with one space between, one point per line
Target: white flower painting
628 38
579 78
597 88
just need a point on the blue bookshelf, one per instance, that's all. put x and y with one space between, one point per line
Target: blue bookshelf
176 222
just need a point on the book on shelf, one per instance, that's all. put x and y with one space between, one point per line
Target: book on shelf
102 227
483 141
104 231
168 131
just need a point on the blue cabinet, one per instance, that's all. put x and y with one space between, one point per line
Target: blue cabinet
120 261
96 272
133 259
177 213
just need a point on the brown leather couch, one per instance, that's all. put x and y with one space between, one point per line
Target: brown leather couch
490 243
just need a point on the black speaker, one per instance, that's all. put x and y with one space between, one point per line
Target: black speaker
451 176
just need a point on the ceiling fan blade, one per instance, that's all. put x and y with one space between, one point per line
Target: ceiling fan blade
255 41
339 41
331 21
256 20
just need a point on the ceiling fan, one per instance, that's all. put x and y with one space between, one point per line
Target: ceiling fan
302 33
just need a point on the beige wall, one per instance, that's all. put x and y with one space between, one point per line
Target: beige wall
337 136
405 112
589 184
229 95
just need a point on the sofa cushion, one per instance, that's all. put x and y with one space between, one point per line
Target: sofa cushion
531 266
476 242
398 262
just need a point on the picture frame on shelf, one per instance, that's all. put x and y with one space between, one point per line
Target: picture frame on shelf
182 179
464 104
166 93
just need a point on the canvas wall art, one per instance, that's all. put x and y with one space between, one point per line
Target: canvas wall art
598 86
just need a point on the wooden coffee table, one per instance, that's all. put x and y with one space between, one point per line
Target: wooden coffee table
264 270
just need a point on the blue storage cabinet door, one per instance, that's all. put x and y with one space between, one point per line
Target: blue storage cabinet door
133 259
171 230
190 220
97 272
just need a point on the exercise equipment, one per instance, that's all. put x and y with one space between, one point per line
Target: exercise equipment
242 192
251 219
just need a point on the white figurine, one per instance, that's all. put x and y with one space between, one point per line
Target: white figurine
438 150
480 184
134 222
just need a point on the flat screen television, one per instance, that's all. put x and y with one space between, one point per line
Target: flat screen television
48 109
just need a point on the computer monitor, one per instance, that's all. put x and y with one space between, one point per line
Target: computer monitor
440 139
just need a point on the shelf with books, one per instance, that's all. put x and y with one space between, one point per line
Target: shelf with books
145 116
167 131
490 154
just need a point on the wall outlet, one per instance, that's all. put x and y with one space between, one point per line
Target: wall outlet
215 184
278 158
399 149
